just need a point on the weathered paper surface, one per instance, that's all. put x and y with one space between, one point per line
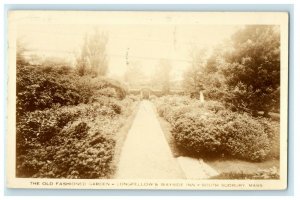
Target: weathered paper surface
127 25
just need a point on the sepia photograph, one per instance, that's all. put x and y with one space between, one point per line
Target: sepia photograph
147 100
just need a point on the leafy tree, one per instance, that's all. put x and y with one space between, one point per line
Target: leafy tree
134 76
212 76
161 77
82 66
21 49
252 71
193 78
93 58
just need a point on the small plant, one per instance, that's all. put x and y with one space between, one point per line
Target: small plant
271 173
265 174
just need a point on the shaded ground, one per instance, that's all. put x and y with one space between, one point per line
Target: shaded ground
120 136
196 168
146 154
166 127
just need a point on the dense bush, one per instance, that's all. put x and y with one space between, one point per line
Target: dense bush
66 124
69 142
100 83
246 137
109 92
72 153
42 87
211 130
196 136
82 154
243 72
39 89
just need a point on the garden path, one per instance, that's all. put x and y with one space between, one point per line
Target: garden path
146 154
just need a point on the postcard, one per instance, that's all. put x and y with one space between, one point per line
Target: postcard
147 100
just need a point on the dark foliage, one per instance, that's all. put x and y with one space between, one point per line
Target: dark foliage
41 88
66 123
253 70
212 130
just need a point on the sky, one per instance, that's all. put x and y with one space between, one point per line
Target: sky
144 38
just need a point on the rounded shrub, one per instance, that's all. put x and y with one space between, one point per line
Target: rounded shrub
210 129
198 134
246 138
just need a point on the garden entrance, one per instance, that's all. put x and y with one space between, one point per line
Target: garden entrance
145 93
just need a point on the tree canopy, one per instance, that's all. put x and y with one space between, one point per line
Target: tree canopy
161 77
193 78
93 58
252 71
244 72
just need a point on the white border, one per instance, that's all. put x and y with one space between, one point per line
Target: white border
295 76
222 18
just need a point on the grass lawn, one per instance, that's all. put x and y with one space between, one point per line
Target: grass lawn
241 166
